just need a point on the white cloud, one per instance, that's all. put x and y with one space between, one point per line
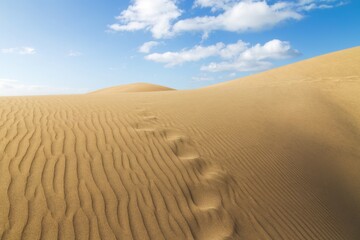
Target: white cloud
231 50
155 16
233 74
72 53
308 5
240 66
19 50
186 55
213 4
10 87
240 17
239 56
256 58
146 47
160 17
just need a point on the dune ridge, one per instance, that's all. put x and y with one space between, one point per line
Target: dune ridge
133 87
270 156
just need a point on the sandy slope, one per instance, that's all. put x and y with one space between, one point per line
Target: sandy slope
134 87
272 156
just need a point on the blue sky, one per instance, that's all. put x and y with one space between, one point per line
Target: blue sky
67 46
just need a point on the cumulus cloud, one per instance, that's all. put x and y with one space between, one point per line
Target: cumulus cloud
155 16
198 53
239 56
146 47
213 4
240 17
255 58
19 50
10 87
240 66
186 55
232 50
308 5
160 17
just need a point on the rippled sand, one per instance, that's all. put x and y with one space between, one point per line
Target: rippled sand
271 156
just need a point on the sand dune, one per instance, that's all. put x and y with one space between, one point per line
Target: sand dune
134 87
271 156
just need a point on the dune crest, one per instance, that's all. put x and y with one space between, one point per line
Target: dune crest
271 156
133 87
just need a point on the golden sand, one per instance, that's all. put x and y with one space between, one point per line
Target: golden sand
271 156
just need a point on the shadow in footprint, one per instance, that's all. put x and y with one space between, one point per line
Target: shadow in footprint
172 134
145 127
205 197
215 175
216 225
180 144
184 149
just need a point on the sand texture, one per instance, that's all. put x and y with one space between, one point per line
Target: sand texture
135 87
271 156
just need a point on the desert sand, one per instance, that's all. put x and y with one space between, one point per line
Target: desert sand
272 156
135 87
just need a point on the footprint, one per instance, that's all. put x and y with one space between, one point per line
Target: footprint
141 110
172 134
144 113
199 164
150 118
183 149
181 144
205 197
218 225
215 175
145 127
